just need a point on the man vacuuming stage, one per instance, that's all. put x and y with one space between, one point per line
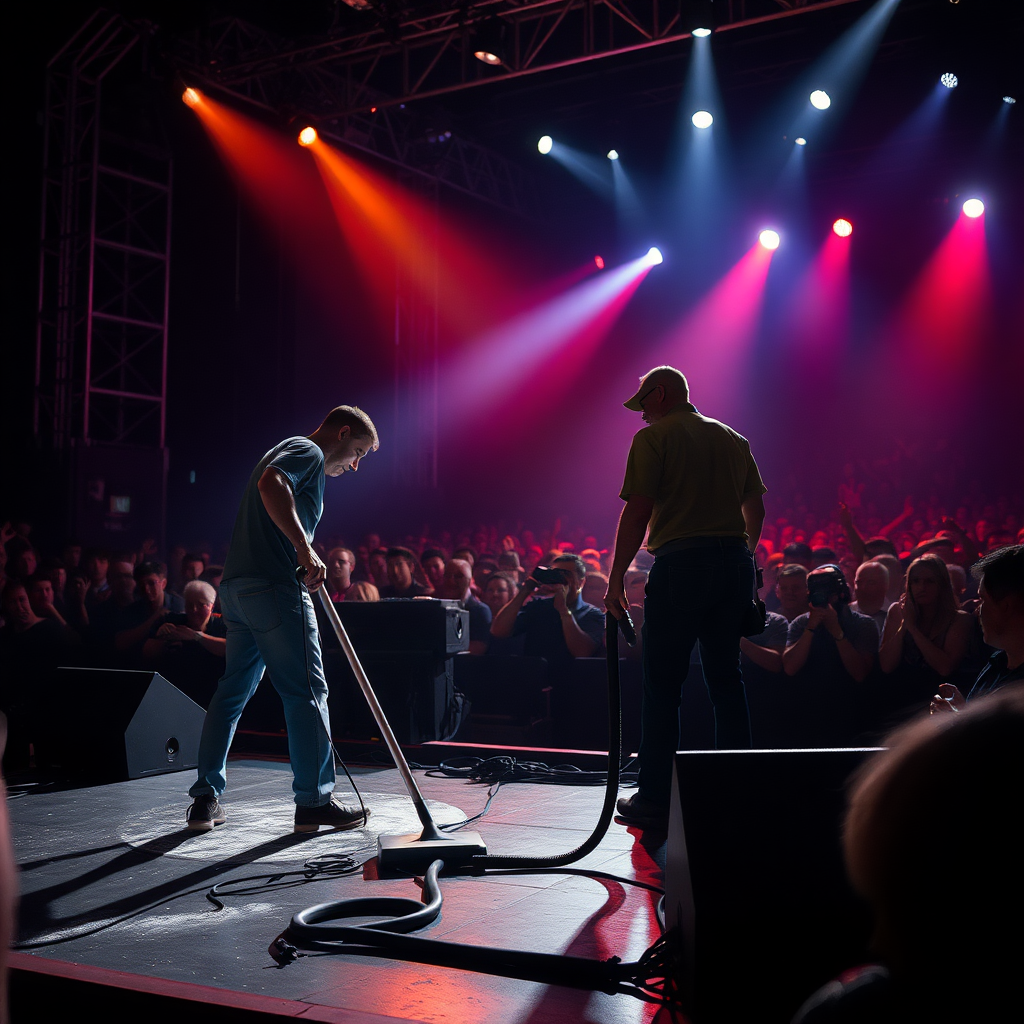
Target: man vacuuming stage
271 624
694 480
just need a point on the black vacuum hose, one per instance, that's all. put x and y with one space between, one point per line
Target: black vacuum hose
611 789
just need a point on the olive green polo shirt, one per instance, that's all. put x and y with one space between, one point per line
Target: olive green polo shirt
698 472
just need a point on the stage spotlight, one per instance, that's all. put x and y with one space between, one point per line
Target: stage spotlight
191 97
545 144
769 239
702 119
654 256
821 99
1009 99
698 16
800 141
843 228
973 208
948 79
490 42
599 262
613 154
307 136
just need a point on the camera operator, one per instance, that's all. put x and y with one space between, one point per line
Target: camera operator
559 625
831 635
829 647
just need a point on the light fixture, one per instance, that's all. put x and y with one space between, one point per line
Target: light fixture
489 42
654 256
613 154
702 119
948 79
307 136
821 99
843 228
800 140
599 262
698 17
1009 99
191 97
973 208
544 144
769 239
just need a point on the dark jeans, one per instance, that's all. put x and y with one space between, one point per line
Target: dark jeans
697 594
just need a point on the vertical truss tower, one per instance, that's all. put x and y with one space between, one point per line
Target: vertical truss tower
104 267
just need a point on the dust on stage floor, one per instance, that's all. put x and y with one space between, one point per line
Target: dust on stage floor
114 894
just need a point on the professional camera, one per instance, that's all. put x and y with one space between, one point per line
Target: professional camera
546 576
825 583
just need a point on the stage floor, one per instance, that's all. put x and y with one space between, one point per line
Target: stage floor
95 861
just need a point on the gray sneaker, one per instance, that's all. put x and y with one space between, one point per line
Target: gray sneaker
205 813
334 815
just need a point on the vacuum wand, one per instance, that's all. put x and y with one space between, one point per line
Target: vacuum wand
431 844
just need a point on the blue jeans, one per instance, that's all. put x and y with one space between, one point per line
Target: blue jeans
697 594
272 626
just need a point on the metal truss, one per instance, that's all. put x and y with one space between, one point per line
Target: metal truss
382 58
309 94
104 265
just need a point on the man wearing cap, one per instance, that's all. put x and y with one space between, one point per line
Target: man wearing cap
694 482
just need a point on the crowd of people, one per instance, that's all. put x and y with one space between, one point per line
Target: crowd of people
901 592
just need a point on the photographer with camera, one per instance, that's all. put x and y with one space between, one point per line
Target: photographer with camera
829 647
558 624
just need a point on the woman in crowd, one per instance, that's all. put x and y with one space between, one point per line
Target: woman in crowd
362 591
499 589
926 635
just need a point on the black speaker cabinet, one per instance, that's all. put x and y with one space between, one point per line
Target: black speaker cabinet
121 724
755 881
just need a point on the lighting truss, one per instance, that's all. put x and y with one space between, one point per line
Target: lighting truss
104 264
421 50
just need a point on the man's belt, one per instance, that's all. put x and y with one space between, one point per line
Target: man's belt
687 543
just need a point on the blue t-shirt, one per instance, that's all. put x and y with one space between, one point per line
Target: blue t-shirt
258 548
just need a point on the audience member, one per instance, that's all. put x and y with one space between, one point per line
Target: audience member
31 648
799 553
933 841
499 589
1001 577
508 561
40 595
594 587
791 591
149 612
829 649
189 648
926 634
558 624
378 567
432 562
340 563
362 590
193 565
871 585
455 586
97 562
401 567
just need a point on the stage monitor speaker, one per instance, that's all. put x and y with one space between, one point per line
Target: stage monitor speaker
123 724
755 881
